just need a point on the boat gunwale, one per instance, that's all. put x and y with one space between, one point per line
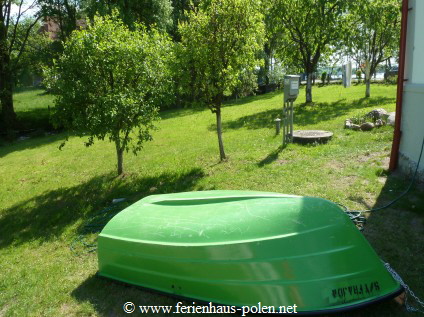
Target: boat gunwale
335 310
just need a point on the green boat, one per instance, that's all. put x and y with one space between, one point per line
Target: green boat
241 248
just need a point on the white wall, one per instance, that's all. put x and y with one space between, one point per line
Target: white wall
412 125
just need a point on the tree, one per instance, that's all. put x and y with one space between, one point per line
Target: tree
273 38
220 40
110 81
13 40
148 12
374 35
37 53
309 27
180 10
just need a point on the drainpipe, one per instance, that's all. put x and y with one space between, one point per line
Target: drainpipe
394 156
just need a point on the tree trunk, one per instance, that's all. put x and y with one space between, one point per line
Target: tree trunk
309 87
267 51
367 78
219 131
8 115
367 89
120 155
266 71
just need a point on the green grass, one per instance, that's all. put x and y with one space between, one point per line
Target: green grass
46 195
33 109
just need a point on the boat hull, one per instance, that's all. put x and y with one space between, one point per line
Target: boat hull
317 260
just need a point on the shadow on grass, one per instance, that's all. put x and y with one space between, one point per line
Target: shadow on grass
25 89
249 99
304 115
397 232
397 235
271 157
35 129
108 297
36 118
35 139
47 216
181 112
327 111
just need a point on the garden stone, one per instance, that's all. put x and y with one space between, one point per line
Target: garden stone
376 113
348 124
379 123
367 126
355 127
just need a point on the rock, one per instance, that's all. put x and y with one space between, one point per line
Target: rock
379 123
355 127
391 118
348 124
367 126
376 114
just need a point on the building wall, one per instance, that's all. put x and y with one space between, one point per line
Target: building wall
412 125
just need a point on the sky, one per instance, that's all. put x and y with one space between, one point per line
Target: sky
30 12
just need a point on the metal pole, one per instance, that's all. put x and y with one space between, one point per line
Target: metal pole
284 123
291 121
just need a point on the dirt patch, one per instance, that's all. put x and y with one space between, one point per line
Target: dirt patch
385 162
4 310
343 182
368 156
366 200
335 165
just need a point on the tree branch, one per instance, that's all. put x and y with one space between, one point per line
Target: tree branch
12 42
26 38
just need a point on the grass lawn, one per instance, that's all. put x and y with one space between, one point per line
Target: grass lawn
46 195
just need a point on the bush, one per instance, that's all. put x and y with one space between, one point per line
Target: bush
391 80
323 77
358 75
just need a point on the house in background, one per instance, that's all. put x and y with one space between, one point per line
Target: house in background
409 127
52 27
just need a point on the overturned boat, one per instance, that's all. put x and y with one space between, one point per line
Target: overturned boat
241 248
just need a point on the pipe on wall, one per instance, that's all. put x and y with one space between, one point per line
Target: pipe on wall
394 155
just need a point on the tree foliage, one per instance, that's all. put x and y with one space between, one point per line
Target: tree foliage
273 38
37 53
110 82
309 28
148 12
180 11
221 39
374 35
